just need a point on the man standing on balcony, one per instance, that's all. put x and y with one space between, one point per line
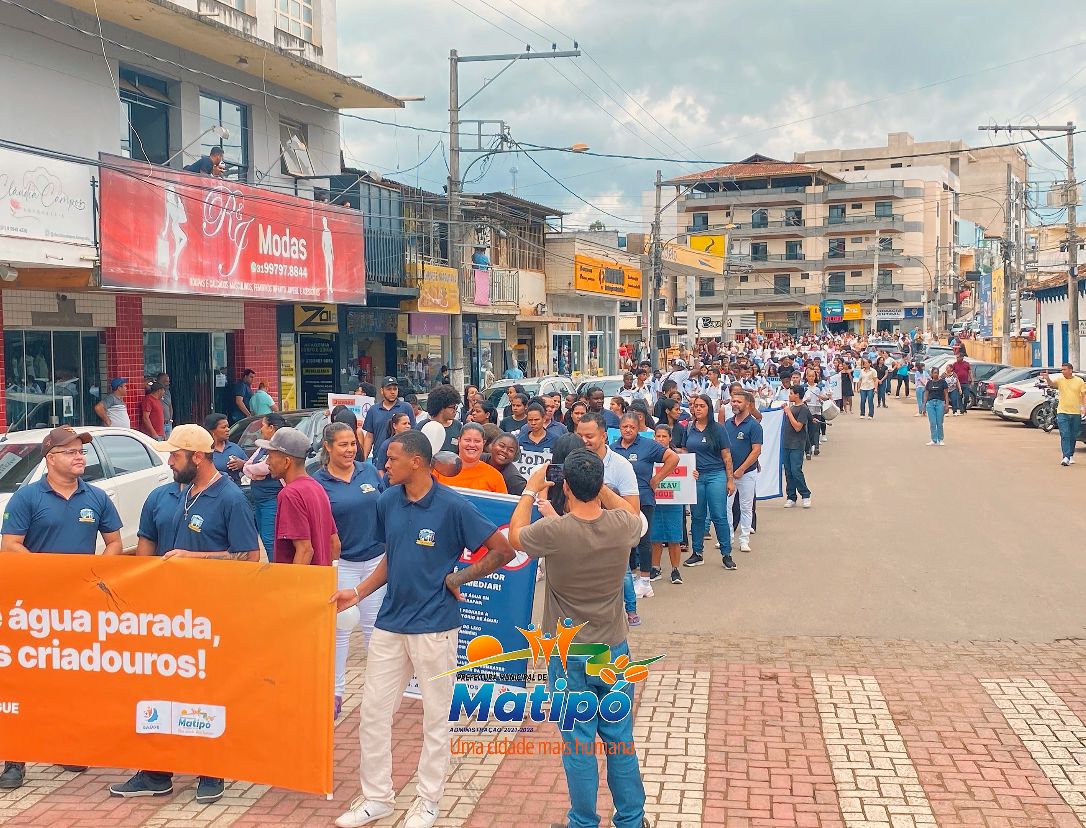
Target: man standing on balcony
210 164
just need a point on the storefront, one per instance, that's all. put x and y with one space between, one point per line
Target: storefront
847 318
52 377
196 362
422 343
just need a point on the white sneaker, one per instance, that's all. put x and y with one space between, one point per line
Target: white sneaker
363 812
744 546
941 443
423 814
917 414
788 504
806 503
643 589
932 443
1070 461
1066 461
957 413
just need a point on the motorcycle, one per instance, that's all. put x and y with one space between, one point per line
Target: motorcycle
1046 417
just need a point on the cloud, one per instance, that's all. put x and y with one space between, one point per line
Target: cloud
728 79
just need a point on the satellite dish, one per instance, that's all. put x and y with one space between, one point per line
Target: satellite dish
296 157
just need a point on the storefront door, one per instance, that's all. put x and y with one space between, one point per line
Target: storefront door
566 353
317 366
51 378
186 357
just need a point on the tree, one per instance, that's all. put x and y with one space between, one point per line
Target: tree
597 225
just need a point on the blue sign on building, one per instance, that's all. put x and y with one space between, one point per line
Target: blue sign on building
914 313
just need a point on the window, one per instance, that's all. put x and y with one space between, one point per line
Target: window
295 17
804 276
145 117
743 278
793 250
94 464
884 209
857 240
836 282
759 252
884 278
886 243
216 111
837 249
782 283
706 287
628 306
857 206
859 167
759 218
793 217
126 454
288 131
837 214
895 166
856 274
699 221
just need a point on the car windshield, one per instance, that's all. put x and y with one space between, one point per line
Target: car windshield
610 386
247 439
17 461
497 396
1010 375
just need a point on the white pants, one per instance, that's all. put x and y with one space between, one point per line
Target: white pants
351 574
391 660
744 490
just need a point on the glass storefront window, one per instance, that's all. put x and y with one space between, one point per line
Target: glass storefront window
566 353
420 355
596 351
51 378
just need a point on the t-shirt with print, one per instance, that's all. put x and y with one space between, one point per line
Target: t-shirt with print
586 565
936 390
796 439
304 513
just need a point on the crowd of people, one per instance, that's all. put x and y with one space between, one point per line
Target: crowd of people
395 527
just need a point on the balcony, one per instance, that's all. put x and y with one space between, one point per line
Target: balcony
860 190
767 291
850 258
849 224
497 289
760 229
771 261
229 15
697 200
386 264
298 45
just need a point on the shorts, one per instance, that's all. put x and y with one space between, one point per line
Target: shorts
667 524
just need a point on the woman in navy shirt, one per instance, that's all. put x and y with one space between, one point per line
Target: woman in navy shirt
353 488
228 457
263 488
708 442
643 455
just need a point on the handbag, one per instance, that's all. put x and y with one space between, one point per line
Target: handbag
830 410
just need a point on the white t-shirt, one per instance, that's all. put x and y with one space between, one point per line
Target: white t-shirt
618 473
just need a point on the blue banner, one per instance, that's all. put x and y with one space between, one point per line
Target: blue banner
502 601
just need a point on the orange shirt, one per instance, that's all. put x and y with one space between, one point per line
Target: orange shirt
481 476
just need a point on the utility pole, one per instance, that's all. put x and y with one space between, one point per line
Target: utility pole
651 287
1008 282
875 293
1071 199
456 242
1020 253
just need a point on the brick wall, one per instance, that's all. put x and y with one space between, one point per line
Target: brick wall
124 351
256 346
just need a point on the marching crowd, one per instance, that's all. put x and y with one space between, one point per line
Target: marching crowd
381 507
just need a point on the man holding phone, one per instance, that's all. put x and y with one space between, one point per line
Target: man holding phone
1071 409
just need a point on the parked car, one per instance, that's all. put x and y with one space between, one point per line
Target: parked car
986 389
982 371
123 463
533 387
1021 401
309 421
610 386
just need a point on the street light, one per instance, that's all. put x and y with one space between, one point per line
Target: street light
221 132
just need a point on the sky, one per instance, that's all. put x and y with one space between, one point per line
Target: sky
701 83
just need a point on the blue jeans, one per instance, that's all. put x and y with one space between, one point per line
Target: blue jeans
579 761
713 505
880 389
1069 425
921 394
867 400
936 411
629 597
793 471
264 511
955 400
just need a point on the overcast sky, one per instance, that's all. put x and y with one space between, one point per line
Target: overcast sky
704 79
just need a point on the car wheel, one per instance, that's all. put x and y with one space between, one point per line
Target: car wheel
1034 420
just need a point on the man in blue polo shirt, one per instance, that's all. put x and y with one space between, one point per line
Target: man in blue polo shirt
61 514
375 426
745 437
426 527
200 515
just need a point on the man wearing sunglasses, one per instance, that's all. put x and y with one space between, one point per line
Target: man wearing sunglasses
60 514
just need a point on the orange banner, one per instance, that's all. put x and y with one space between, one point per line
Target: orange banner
218 668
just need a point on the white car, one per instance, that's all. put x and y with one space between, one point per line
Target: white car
1021 401
122 462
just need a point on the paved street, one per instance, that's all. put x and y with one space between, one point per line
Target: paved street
902 654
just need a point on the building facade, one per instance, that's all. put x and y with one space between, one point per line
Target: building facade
192 274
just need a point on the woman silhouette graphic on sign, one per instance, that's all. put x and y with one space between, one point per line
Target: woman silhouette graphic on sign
326 248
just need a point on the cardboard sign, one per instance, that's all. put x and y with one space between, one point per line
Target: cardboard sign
679 487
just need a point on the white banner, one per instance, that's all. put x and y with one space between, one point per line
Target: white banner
358 403
770 479
46 211
890 313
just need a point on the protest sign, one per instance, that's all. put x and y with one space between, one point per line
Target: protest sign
150 663
679 487
359 404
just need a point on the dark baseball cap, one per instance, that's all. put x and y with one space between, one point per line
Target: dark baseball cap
62 436
387 382
289 441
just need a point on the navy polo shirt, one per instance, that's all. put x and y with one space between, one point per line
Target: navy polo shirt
533 454
354 508
555 429
423 541
220 458
376 422
218 519
49 523
610 418
743 438
158 518
268 488
643 455
706 458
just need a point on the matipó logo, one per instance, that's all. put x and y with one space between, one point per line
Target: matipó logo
181 719
86 516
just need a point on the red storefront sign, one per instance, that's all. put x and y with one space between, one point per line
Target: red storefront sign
177 232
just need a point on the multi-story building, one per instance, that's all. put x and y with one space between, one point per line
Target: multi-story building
197 275
981 171
797 235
